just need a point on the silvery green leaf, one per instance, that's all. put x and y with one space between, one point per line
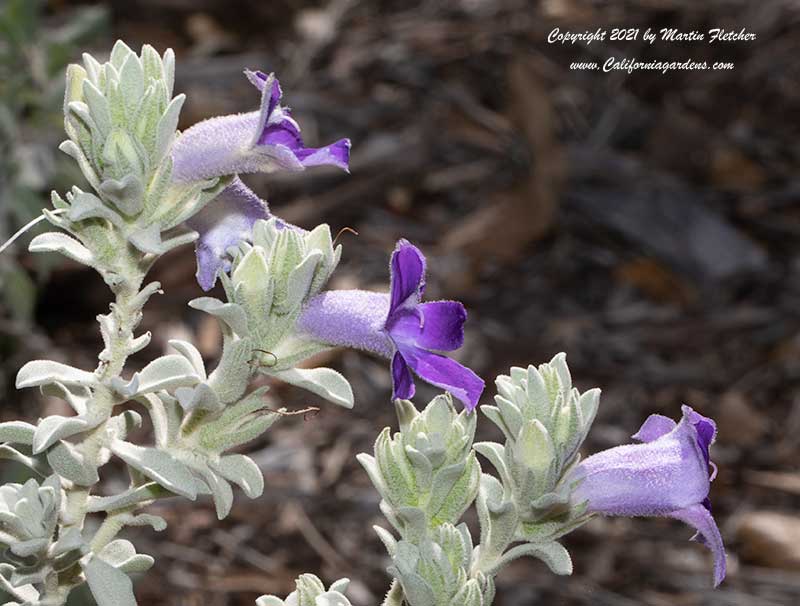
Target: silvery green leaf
157 523
81 110
70 464
71 149
119 53
549 530
133 496
553 554
166 419
324 382
417 592
167 125
221 493
497 517
26 593
534 447
131 82
231 314
75 78
147 240
459 498
17 432
190 352
389 542
589 402
151 62
55 427
98 107
127 193
494 415
423 470
443 483
229 380
370 465
494 452
109 586
470 594
406 413
200 397
168 62
88 206
292 350
243 472
122 556
60 243
167 373
160 466
299 280
42 372
144 295
30 547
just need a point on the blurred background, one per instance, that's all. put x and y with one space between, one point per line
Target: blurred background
646 224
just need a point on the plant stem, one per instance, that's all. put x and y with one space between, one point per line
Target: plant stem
117 328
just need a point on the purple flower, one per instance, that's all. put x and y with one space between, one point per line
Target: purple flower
222 224
666 475
262 141
397 325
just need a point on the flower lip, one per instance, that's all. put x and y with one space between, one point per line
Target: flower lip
419 330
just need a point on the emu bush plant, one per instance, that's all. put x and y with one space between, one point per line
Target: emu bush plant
153 189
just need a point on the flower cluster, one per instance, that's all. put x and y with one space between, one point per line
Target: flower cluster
155 189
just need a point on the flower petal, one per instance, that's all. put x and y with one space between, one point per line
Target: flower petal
402 381
653 428
408 275
705 428
224 222
700 518
442 325
445 373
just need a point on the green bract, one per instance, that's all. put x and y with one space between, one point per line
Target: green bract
544 420
121 120
426 474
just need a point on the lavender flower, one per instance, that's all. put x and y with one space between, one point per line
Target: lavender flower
223 223
667 475
261 141
397 325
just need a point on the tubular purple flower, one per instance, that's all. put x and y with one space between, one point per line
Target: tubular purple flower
223 223
667 475
261 141
398 326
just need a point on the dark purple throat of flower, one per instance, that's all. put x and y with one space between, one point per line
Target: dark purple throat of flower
399 326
